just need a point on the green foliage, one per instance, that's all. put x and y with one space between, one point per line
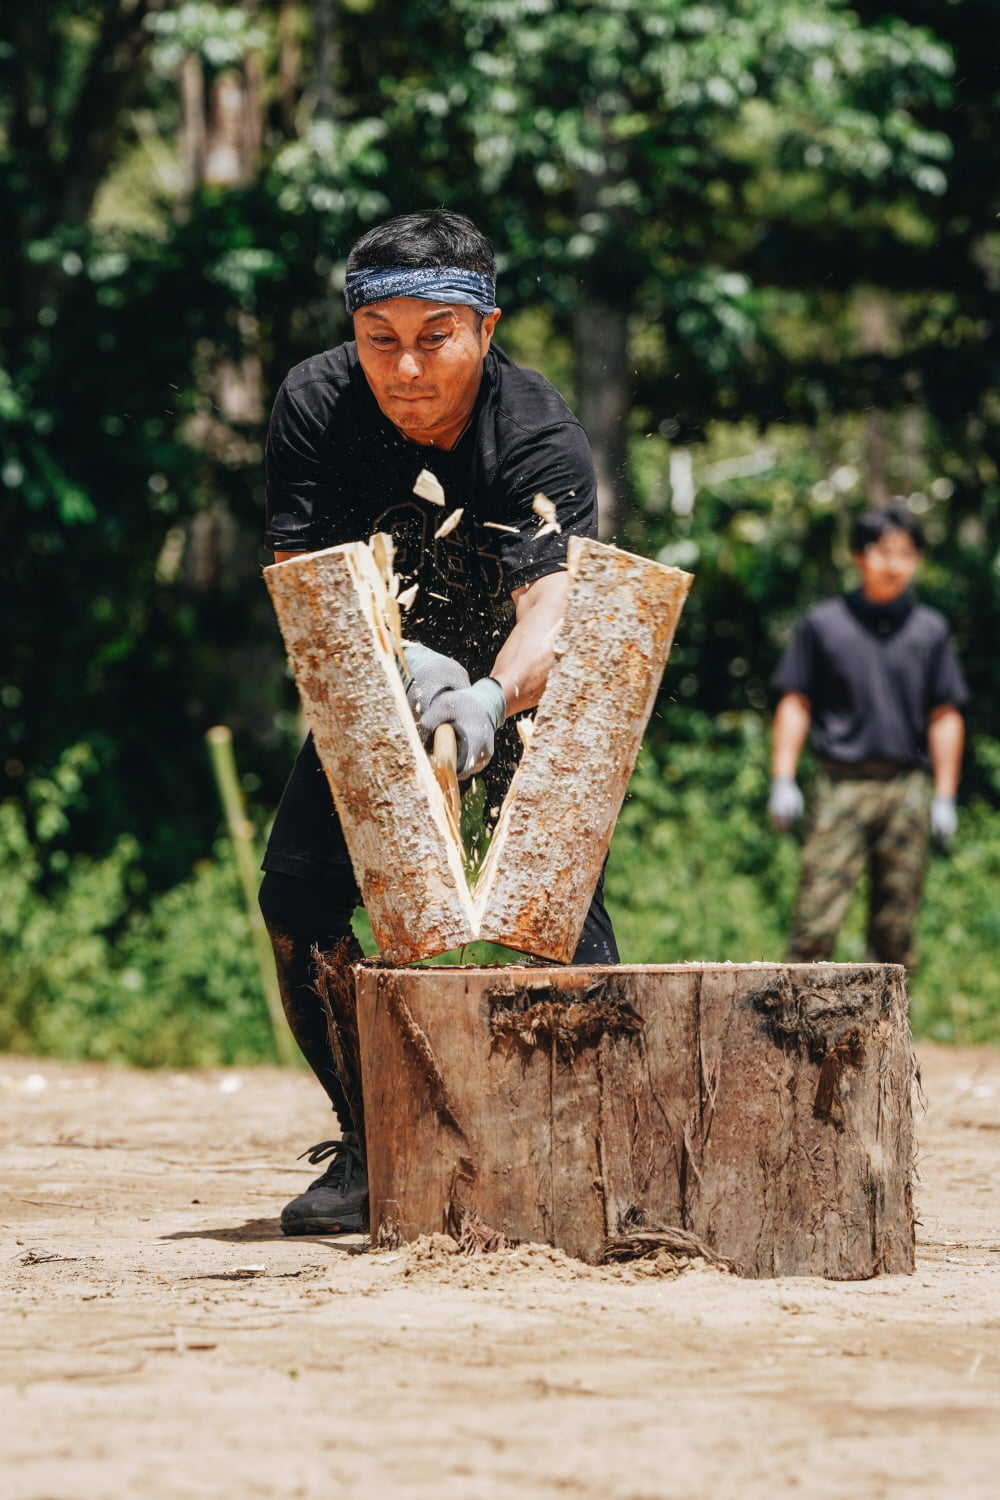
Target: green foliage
622 146
89 974
55 944
732 176
696 875
956 993
221 35
726 173
192 985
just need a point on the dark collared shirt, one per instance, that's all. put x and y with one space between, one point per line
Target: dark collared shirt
338 470
872 674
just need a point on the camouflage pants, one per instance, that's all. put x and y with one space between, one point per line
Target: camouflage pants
863 817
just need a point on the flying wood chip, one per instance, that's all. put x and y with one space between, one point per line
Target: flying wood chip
383 550
546 512
428 487
448 524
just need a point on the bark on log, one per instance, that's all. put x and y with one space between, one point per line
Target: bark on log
553 832
393 813
762 1110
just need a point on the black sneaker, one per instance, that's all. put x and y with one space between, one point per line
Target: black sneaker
337 1202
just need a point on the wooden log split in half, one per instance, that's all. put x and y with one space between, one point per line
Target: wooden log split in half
556 823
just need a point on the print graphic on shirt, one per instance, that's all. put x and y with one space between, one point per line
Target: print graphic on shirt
408 526
448 561
490 566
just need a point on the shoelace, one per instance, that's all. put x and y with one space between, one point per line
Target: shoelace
346 1161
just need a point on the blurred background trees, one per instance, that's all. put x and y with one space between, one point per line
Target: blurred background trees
754 243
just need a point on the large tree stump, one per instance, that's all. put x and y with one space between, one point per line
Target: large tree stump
763 1109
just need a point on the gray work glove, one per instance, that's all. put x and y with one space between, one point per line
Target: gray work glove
475 713
785 803
430 673
944 820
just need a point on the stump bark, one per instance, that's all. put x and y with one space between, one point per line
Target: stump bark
763 1111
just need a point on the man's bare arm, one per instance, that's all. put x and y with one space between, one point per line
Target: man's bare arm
946 741
792 719
525 657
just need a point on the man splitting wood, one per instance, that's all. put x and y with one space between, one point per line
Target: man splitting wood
875 677
370 437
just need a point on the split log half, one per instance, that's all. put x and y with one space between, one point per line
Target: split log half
556 823
407 863
761 1110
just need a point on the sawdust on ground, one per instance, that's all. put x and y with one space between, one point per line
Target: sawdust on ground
160 1337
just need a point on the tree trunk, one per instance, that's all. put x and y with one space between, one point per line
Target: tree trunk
326 54
875 329
600 321
600 351
762 1111
234 127
193 128
289 67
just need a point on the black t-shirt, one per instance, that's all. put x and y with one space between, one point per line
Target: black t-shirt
338 470
872 673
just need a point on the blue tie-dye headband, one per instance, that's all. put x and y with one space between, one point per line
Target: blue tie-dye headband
427 283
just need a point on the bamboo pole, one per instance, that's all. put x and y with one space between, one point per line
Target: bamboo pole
240 829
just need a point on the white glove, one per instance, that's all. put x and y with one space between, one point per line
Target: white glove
786 803
944 820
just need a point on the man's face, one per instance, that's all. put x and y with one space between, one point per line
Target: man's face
887 566
424 363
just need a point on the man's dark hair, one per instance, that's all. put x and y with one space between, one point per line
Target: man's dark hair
437 237
874 524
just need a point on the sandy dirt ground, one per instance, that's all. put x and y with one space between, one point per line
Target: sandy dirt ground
160 1337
